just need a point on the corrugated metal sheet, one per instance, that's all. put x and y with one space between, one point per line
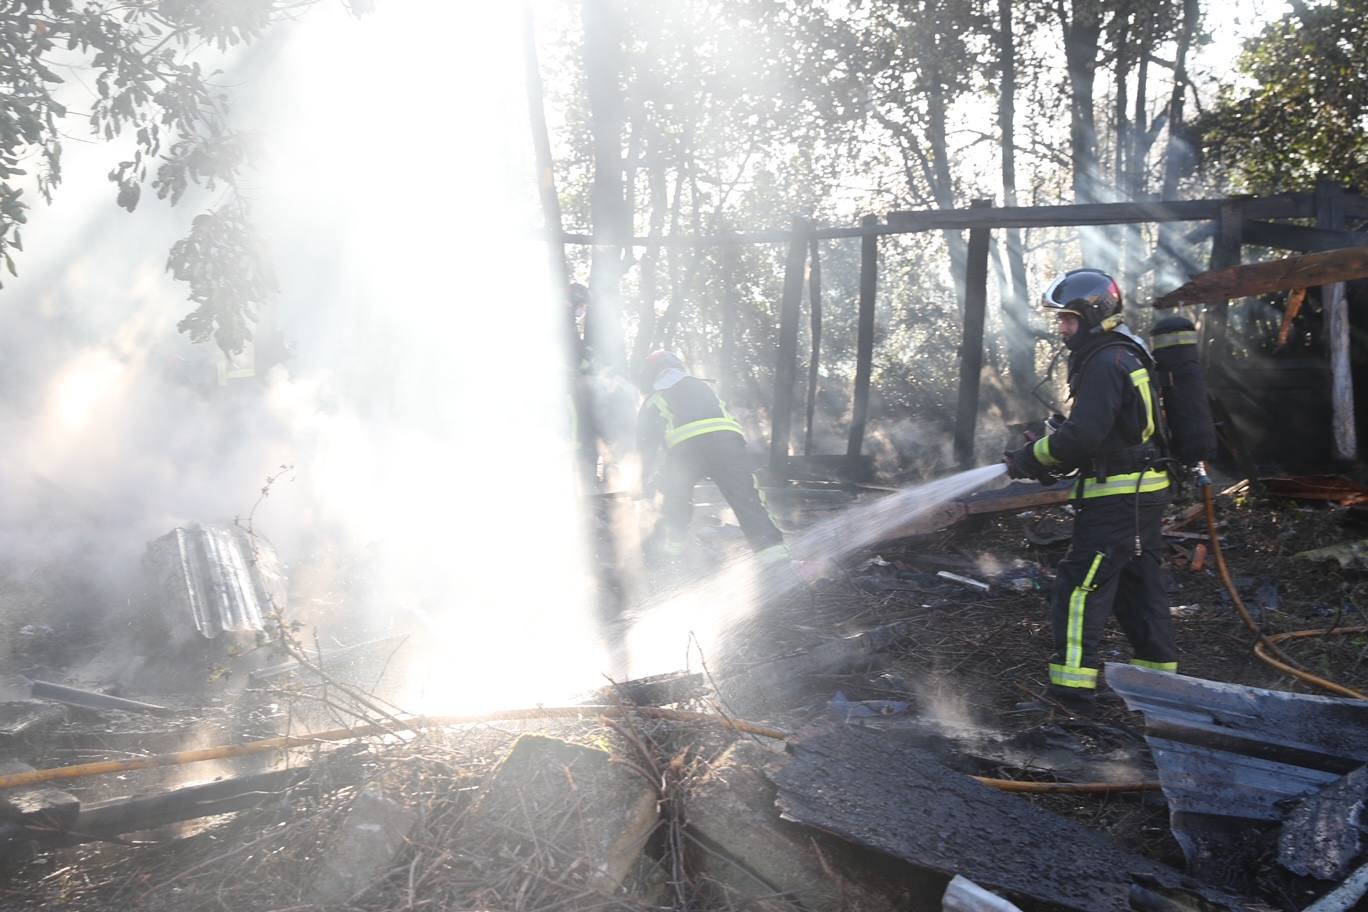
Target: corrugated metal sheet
1231 756
218 576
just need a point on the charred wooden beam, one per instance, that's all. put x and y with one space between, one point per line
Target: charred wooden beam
1299 237
1287 205
91 699
1331 266
786 370
815 315
971 345
1335 303
864 346
1226 249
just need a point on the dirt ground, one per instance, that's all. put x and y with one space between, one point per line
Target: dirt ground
975 657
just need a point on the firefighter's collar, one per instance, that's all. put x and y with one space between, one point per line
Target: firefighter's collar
668 378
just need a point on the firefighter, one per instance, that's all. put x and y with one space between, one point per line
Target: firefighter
1113 439
700 438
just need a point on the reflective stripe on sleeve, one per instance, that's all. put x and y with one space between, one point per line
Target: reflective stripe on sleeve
1041 451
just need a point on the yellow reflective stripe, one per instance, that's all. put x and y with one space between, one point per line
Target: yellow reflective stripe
664 408
1073 676
1156 666
1167 340
1041 451
1141 379
1073 651
1152 480
698 428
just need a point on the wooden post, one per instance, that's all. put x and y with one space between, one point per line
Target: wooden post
786 369
864 346
1226 249
971 347
815 313
1330 214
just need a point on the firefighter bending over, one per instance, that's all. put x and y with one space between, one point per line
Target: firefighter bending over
700 439
1113 438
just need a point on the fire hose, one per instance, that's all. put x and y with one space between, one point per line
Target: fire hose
287 742
1266 647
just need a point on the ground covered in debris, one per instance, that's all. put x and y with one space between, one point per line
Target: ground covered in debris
963 676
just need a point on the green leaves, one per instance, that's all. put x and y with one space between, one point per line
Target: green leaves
1301 112
229 276
142 84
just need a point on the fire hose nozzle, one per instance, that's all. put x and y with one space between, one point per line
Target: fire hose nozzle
1203 480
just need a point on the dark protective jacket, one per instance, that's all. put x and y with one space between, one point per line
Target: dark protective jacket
1112 435
686 410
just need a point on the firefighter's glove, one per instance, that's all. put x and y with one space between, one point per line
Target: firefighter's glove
1021 463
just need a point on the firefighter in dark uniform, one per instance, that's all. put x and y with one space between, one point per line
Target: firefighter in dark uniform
1113 439
700 438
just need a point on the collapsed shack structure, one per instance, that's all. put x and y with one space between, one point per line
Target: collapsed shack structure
1263 391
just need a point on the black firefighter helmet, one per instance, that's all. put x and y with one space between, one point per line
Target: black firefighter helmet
1089 294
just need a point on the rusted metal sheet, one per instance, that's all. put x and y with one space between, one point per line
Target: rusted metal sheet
219 576
878 790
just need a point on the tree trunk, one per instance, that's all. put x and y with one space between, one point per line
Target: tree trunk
650 263
942 181
1016 310
1133 180
1121 129
604 35
1178 157
1082 32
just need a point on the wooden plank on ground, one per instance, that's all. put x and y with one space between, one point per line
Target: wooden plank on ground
1019 496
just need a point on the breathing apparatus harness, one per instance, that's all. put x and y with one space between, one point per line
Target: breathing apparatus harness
1153 453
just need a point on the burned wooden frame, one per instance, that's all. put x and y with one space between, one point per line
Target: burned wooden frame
1231 223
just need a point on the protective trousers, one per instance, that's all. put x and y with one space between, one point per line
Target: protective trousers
720 456
1102 574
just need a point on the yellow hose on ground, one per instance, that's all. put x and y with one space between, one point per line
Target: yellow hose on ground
286 742
1267 647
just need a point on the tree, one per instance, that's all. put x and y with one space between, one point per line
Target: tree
1304 114
150 84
